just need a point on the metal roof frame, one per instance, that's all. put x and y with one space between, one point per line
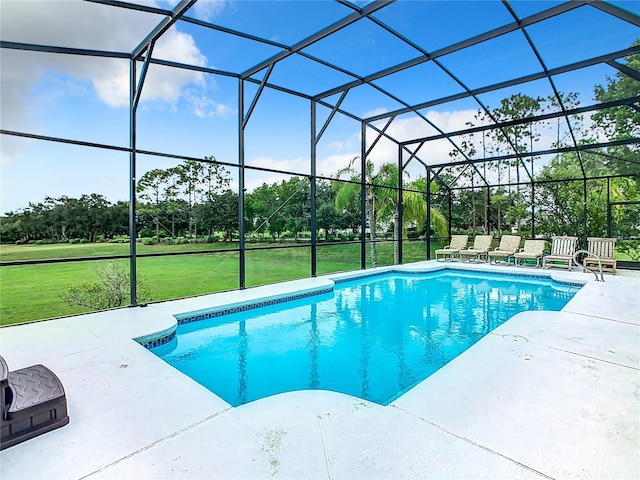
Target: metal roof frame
333 98
180 13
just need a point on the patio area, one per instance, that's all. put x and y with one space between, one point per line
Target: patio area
546 395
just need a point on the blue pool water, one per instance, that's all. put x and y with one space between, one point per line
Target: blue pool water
374 338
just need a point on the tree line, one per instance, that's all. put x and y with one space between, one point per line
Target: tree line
193 200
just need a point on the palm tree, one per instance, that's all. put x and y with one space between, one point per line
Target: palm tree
381 202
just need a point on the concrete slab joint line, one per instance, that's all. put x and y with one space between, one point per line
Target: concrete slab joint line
324 447
475 444
152 444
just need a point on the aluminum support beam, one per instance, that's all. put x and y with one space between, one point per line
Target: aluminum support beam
241 188
399 210
363 196
552 12
537 118
428 221
162 27
379 136
132 6
143 76
583 148
617 12
257 96
325 32
334 110
626 69
509 83
133 270
314 193
30 47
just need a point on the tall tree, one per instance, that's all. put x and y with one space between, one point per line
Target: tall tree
152 191
381 202
622 122
190 181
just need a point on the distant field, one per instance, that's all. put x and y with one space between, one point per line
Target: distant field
66 250
31 292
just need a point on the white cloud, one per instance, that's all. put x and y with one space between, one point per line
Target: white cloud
351 143
297 164
374 112
204 106
91 26
328 166
405 129
209 9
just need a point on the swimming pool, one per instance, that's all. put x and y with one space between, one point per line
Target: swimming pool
373 338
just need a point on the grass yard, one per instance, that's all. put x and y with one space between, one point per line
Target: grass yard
32 292
65 250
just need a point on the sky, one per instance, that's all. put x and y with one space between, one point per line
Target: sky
196 114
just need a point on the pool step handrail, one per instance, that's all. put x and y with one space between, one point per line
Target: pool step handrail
589 254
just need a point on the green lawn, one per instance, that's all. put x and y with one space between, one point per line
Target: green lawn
31 292
65 250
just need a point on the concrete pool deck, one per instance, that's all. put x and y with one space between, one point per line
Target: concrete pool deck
545 395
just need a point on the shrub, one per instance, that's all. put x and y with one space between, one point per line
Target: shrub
111 290
629 247
147 241
119 239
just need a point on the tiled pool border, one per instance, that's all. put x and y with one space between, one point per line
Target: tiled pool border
157 342
251 306
183 320
473 270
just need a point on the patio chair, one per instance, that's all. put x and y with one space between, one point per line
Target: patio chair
603 247
509 245
562 250
481 246
33 402
457 243
533 250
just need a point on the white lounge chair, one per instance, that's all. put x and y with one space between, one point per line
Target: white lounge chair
533 250
480 248
457 243
509 245
562 250
603 247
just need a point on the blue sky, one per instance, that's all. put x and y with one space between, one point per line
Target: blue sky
196 114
